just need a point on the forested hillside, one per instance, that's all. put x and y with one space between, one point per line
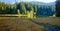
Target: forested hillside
24 7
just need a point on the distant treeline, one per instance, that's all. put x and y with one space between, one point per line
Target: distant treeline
40 10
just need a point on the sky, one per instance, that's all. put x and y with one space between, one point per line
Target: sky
13 1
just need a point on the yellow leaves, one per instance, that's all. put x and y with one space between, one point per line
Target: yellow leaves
30 14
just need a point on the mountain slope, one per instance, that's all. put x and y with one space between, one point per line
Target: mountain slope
42 3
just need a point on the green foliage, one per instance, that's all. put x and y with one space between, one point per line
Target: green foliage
22 6
58 8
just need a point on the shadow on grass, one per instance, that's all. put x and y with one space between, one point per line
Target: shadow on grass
49 27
